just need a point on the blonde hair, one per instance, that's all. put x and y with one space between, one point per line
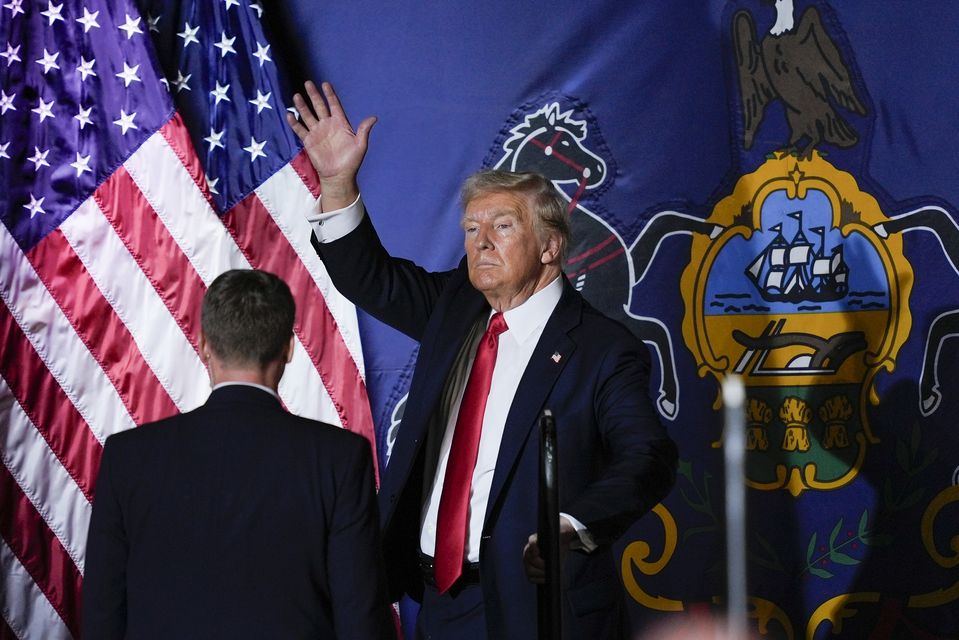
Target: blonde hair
548 206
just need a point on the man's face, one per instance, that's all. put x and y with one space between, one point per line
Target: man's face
506 257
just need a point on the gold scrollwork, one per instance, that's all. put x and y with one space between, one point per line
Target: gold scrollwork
636 555
796 480
946 496
766 611
936 598
837 609
810 473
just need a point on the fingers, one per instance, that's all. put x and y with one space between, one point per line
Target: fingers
533 564
335 108
363 131
319 105
297 126
536 575
321 118
306 114
307 118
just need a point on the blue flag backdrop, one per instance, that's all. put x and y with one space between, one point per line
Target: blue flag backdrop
765 190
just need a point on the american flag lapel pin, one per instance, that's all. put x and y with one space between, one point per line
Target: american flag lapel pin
556 357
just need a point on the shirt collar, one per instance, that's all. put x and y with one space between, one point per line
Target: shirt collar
533 314
246 384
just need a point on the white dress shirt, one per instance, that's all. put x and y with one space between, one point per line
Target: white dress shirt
333 225
525 326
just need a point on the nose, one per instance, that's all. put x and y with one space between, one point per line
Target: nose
481 240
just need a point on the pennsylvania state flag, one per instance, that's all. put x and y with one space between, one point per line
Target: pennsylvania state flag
755 188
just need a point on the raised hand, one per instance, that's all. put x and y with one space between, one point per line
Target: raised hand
335 150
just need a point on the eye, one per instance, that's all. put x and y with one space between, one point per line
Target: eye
503 226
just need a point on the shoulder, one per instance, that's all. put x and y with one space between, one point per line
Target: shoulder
136 452
603 342
146 434
613 330
324 435
333 452
601 329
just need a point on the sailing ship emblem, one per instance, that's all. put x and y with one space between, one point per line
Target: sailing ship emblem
796 270
801 297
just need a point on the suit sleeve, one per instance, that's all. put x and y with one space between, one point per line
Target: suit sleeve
394 291
360 605
640 458
105 576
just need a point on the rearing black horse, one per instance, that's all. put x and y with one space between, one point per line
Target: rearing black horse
550 142
937 221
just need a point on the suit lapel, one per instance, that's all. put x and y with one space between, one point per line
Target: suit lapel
550 357
452 328
436 358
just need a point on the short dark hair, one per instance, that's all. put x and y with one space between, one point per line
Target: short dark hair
247 317
549 208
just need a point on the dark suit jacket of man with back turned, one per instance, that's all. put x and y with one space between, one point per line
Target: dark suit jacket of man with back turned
235 520
616 461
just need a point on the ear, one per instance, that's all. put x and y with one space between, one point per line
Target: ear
207 356
288 354
550 252
204 348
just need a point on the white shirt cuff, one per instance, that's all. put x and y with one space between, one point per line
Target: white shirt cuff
333 225
586 542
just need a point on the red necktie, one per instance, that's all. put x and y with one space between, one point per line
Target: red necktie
451 522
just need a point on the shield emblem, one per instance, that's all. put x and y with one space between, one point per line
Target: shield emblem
801 297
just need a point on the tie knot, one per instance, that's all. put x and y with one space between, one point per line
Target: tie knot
497 324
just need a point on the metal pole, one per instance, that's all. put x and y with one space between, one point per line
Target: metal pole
549 594
734 449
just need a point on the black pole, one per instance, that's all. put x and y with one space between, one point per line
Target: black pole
549 594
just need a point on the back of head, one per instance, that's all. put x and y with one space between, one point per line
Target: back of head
247 317
546 204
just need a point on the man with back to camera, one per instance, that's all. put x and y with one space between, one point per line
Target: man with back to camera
237 519
502 337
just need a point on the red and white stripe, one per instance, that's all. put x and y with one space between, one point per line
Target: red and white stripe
99 324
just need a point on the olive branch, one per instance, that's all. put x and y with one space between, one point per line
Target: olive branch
908 459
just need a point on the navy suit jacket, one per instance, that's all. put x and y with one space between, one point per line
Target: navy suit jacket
615 459
236 520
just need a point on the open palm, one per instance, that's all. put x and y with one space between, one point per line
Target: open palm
335 151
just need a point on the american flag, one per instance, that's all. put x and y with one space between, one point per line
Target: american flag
124 191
